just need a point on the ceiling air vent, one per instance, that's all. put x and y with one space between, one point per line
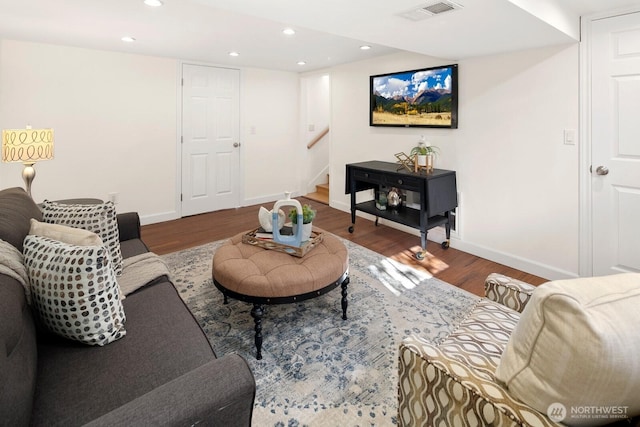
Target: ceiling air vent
430 9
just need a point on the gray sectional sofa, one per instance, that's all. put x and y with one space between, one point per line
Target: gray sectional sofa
163 372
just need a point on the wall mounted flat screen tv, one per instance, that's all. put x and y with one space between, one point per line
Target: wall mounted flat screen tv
426 97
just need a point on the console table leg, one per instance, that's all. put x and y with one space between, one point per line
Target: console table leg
256 313
345 303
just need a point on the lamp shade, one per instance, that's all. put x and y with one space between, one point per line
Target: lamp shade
27 145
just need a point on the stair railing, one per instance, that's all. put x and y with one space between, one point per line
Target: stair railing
315 140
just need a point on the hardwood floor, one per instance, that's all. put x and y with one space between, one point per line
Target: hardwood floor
452 266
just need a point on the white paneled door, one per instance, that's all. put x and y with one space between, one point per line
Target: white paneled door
615 142
210 139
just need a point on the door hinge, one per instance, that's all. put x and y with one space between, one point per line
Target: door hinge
180 196
182 82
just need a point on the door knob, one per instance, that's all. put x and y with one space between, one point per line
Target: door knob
602 170
236 144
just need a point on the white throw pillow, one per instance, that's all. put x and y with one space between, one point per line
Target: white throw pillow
74 290
99 218
574 352
62 233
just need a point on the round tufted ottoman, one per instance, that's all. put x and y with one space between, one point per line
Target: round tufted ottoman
261 276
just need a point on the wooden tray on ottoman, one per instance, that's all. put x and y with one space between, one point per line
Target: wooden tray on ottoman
250 239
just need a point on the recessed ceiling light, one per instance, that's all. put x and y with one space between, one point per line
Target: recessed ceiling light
365 47
288 31
153 3
234 54
301 63
128 39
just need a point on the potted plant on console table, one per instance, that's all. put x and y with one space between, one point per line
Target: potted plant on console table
423 156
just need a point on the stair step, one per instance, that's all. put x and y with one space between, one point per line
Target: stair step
323 189
320 198
321 194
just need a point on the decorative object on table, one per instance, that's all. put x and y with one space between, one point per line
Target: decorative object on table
27 146
296 239
394 198
265 217
253 238
423 155
308 215
381 201
404 161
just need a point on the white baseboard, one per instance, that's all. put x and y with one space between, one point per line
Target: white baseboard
529 266
270 199
169 216
160 217
437 235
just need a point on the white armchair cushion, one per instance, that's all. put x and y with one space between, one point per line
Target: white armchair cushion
577 344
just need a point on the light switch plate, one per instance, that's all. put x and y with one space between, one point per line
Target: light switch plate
570 137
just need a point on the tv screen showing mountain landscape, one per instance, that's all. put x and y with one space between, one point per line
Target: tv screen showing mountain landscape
426 97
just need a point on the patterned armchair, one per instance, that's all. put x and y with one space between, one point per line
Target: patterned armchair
452 383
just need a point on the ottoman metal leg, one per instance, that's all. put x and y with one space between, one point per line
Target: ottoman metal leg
256 313
344 298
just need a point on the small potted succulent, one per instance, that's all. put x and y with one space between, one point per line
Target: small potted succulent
308 215
423 155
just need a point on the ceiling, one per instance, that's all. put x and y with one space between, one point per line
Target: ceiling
328 32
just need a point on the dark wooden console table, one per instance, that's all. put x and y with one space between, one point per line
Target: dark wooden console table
437 191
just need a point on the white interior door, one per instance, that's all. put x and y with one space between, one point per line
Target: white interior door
210 139
615 139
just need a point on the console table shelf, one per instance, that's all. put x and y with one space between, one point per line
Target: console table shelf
437 192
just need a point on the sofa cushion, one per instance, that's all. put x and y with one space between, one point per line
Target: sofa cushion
62 233
577 344
99 218
163 342
16 210
74 290
18 355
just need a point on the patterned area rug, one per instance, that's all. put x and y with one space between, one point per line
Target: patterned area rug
318 369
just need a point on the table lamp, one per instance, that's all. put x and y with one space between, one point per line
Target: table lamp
27 146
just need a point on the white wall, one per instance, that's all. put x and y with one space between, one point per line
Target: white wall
269 112
315 113
519 182
115 121
114 118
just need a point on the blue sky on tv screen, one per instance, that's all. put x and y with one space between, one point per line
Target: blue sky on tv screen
412 83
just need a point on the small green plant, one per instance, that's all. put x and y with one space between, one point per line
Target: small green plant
307 214
423 149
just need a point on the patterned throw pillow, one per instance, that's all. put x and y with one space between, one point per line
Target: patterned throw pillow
98 218
74 290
